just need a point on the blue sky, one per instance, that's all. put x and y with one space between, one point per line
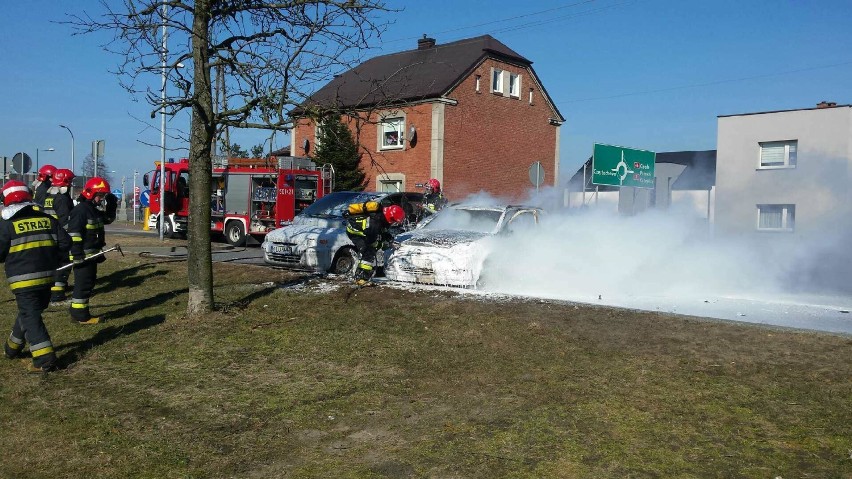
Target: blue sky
649 74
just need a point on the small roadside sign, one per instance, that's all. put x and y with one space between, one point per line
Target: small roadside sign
619 166
118 193
145 198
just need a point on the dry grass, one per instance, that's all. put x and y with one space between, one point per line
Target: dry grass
294 379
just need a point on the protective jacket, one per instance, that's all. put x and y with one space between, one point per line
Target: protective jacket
86 227
434 201
58 204
372 227
41 192
28 245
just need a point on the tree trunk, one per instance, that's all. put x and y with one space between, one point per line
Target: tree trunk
202 128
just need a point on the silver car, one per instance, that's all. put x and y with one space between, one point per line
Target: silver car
451 247
316 240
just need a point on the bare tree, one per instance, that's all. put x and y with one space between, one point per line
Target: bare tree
268 56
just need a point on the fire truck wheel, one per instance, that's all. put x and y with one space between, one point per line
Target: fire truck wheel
235 233
344 261
168 231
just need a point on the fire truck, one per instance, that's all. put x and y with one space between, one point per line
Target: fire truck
248 196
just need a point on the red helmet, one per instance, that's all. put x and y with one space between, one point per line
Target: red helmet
94 186
394 214
433 186
45 172
15 192
62 177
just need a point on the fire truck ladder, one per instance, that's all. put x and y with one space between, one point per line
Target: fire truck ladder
327 178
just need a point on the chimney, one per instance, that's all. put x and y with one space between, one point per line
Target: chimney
425 43
826 104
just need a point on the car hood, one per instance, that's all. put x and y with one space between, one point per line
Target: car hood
440 238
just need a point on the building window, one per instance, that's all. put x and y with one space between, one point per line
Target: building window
496 80
478 78
778 154
390 186
391 133
514 85
776 217
531 96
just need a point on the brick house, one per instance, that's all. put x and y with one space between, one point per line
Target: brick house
471 113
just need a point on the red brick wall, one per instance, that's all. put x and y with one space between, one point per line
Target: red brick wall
491 140
412 161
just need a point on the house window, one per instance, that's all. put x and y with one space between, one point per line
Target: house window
514 85
776 217
496 80
778 154
391 133
478 78
390 186
531 96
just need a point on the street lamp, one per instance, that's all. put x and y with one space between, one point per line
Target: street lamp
72 146
42 149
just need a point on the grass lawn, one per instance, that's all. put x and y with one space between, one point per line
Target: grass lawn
294 376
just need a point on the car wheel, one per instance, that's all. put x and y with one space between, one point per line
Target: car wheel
235 233
168 229
344 261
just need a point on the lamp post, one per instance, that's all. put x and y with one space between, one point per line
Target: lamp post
163 125
42 149
97 152
72 146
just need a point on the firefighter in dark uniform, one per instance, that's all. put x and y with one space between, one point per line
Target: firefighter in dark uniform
96 206
59 204
367 230
434 199
42 183
31 242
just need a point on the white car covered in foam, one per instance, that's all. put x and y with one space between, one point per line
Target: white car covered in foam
316 239
452 247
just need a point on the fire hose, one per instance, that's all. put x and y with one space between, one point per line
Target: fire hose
117 247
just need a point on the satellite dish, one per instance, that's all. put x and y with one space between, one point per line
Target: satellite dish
22 163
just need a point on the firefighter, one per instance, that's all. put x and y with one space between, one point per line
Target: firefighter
86 227
59 205
43 183
368 230
434 199
31 242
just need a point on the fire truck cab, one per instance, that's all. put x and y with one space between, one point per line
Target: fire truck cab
248 196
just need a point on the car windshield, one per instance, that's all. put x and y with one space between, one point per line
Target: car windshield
336 203
481 221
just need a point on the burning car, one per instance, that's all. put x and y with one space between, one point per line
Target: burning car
316 239
451 247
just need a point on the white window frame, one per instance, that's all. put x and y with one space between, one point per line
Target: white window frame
478 80
514 85
786 222
389 124
496 80
778 154
388 179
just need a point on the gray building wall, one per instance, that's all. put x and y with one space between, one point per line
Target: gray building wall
819 185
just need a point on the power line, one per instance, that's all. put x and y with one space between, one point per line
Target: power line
516 17
698 85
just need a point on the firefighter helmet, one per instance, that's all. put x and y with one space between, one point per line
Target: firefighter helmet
15 192
46 172
394 214
433 186
94 186
62 177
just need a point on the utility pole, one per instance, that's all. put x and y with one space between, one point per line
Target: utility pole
135 174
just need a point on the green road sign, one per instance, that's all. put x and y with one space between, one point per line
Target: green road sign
618 166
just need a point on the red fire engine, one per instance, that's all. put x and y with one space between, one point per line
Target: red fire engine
248 196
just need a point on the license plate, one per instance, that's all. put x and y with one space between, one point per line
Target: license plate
281 249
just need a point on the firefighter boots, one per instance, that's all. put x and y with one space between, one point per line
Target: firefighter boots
12 349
